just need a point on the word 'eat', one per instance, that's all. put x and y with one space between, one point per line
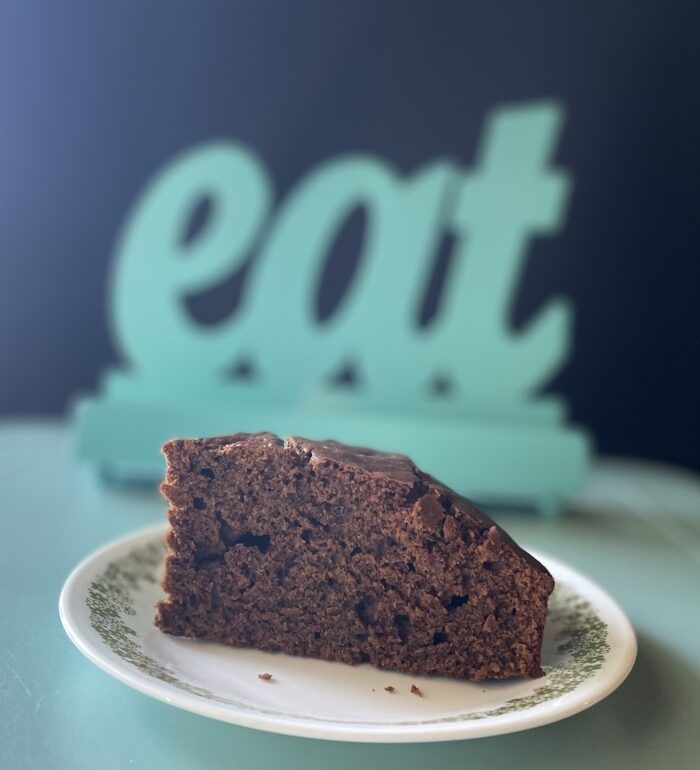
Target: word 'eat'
490 211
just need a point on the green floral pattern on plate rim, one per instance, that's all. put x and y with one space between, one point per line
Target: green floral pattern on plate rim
110 601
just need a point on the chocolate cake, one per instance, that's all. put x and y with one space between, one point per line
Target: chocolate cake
346 554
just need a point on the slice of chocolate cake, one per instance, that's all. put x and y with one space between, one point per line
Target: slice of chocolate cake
335 552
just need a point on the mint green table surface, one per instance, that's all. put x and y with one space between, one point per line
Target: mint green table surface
636 530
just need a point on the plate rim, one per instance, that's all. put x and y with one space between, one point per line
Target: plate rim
544 713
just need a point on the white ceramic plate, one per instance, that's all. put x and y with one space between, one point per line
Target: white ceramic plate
107 610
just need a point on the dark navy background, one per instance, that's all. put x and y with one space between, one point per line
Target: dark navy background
95 96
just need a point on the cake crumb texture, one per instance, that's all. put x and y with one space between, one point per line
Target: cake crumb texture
342 553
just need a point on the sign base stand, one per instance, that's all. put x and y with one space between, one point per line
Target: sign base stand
533 463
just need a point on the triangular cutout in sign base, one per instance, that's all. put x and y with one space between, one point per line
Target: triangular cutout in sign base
458 395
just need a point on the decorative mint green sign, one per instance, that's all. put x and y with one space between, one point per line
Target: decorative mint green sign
459 395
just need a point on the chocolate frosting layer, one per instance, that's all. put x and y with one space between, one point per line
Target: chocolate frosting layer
395 466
